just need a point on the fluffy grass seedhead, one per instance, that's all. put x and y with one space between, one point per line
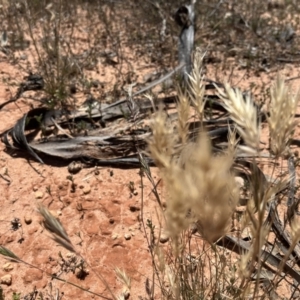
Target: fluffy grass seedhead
121 274
282 116
201 185
216 195
244 113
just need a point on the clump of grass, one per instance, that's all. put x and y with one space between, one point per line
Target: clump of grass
199 183
202 192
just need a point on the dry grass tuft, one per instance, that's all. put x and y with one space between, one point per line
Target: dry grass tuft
201 190
200 184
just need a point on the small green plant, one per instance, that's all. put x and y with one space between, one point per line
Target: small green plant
16 296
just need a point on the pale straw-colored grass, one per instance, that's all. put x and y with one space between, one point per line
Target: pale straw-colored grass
281 117
196 86
243 112
199 183
201 189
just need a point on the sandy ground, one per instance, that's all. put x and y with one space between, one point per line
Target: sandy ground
101 218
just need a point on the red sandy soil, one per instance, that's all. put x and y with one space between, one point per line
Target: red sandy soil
103 210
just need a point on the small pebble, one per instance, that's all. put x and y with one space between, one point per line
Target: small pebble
6 279
95 83
163 238
126 293
127 236
39 195
7 267
87 190
114 236
134 208
74 167
70 255
27 219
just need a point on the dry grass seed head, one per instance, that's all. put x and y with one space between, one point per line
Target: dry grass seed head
282 116
244 113
59 234
206 187
179 192
183 108
126 281
161 259
232 141
196 86
162 142
244 264
123 277
9 254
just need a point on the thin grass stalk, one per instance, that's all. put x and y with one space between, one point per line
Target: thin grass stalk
145 168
